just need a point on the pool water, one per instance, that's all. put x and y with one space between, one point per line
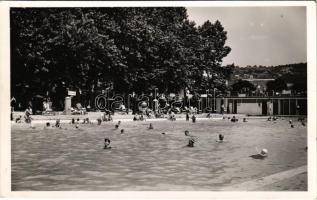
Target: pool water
144 159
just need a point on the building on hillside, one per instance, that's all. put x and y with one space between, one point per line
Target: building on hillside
260 84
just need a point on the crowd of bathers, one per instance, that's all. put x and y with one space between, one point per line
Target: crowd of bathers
107 117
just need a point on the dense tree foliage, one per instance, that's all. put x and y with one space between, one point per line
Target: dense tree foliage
243 86
122 49
277 85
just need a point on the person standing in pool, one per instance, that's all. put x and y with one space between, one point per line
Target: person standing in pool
58 123
27 115
194 119
191 139
151 126
187 116
99 121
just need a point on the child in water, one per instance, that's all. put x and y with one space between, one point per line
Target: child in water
107 143
191 139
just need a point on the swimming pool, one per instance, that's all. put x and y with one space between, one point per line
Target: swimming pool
144 159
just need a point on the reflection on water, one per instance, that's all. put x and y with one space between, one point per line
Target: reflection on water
144 159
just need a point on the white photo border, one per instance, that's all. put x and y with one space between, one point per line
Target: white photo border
5 125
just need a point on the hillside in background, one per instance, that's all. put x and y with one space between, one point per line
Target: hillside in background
290 73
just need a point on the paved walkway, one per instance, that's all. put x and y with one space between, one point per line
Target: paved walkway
260 183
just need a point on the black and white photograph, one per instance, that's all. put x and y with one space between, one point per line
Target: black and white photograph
159 98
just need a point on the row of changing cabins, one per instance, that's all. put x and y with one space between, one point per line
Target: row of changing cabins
262 105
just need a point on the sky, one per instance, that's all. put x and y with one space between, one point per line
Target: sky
266 36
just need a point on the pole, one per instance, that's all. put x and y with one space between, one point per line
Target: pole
128 103
207 102
155 98
214 99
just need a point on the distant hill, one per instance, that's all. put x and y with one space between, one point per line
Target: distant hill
290 73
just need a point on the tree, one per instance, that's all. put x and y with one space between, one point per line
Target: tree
211 52
243 86
277 85
122 49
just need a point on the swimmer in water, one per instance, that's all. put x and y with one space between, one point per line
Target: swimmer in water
292 126
99 121
19 119
187 117
290 121
194 119
47 125
151 126
234 119
107 144
122 131
118 124
73 121
191 139
221 137
190 143
245 120
58 123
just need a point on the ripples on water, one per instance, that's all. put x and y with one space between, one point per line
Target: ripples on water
143 159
